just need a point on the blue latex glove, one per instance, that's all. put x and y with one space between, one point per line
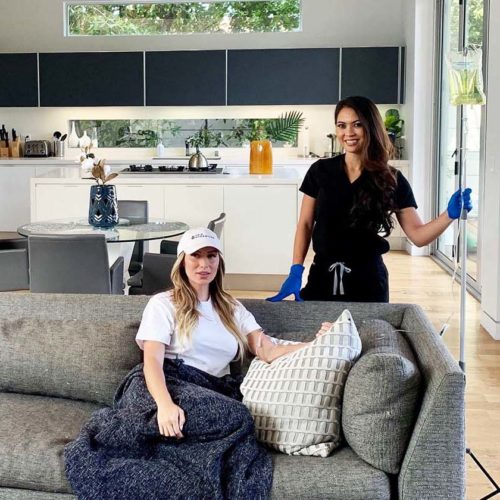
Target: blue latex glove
457 200
291 285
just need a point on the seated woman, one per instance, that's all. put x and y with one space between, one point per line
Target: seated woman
178 428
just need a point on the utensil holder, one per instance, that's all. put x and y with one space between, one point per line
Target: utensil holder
58 148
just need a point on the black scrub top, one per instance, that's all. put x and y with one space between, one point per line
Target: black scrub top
333 236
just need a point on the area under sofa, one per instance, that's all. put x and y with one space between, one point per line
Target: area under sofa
79 346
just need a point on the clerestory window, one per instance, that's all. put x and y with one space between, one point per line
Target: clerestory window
97 18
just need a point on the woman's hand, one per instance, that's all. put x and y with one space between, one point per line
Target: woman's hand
171 420
325 327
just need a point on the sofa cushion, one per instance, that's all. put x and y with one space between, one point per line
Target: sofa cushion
341 476
33 433
296 400
381 397
66 358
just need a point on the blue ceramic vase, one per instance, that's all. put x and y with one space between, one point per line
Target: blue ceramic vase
103 208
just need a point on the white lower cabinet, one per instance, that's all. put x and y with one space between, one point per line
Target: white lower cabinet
152 194
260 228
194 204
260 224
14 197
57 201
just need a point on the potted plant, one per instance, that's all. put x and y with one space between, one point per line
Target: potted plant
103 206
262 132
394 127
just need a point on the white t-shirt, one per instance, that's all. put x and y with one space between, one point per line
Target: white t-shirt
213 347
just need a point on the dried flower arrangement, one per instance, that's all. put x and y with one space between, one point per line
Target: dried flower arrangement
100 172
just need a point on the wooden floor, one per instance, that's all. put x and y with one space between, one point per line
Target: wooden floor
421 281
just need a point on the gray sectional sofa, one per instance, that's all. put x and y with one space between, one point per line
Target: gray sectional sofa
62 356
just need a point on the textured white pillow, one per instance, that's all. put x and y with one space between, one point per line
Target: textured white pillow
296 400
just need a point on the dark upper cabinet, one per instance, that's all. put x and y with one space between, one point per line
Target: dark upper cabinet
372 72
283 76
92 79
18 80
186 78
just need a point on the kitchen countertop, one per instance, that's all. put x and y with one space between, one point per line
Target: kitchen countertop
241 161
231 175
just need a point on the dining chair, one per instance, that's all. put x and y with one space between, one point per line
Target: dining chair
73 264
155 274
137 213
215 225
14 264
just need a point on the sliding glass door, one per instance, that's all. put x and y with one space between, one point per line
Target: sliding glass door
460 144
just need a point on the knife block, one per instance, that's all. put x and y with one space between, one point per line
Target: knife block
15 148
4 150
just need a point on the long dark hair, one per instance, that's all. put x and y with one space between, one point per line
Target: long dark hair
375 202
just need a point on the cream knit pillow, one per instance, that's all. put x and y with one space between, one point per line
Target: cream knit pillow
296 400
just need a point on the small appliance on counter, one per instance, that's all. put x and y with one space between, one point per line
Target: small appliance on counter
37 149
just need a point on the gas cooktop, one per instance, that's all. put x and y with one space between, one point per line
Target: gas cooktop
171 169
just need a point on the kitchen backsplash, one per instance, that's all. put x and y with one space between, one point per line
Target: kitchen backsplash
40 123
207 133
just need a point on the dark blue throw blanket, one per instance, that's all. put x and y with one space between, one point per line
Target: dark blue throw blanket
120 453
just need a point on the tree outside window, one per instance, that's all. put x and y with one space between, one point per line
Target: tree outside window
105 19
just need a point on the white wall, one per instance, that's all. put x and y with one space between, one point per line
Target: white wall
420 21
37 26
490 235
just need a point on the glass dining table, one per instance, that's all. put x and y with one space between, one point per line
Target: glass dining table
120 238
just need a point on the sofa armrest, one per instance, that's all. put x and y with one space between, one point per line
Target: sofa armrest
116 276
434 463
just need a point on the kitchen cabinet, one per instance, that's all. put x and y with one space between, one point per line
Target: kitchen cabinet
283 76
186 78
374 72
57 201
260 228
194 204
92 79
18 80
154 195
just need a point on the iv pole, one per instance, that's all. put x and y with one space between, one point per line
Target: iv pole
462 180
463 278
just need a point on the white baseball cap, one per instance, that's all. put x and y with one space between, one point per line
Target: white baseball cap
200 237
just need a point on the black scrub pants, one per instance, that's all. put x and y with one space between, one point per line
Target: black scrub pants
361 279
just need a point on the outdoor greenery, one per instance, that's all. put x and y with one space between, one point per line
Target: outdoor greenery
204 133
475 18
173 18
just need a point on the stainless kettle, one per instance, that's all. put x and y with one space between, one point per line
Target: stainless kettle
198 161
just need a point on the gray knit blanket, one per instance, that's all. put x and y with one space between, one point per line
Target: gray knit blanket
120 453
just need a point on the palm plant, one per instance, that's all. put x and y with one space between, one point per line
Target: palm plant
284 128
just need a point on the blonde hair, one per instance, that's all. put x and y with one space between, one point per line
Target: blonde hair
185 301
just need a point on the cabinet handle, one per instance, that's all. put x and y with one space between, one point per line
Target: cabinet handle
259 186
193 185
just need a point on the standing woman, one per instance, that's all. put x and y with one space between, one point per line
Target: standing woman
348 200
178 428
